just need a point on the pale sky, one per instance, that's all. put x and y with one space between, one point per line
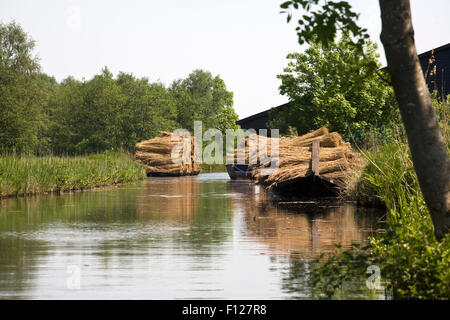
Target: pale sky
243 41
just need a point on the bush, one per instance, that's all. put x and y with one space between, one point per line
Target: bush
412 262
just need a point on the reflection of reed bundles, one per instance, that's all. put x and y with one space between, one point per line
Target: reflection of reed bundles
303 233
156 155
174 199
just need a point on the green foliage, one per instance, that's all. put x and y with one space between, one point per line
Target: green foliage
335 87
203 97
107 113
40 116
340 270
413 264
21 91
442 109
324 21
292 131
31 175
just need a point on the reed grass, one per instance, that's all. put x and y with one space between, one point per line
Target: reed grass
27 175
413 264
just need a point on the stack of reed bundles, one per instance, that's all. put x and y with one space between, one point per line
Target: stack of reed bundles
336 158
155 155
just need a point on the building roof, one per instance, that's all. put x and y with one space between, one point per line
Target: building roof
436 50
262 113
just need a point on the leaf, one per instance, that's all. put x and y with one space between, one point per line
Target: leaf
286 4
289 17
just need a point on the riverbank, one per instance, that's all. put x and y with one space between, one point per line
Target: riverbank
412 264
169 226
29 175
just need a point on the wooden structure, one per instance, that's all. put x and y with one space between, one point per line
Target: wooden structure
259 120
436 69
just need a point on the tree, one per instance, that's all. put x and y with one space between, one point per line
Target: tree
64 113
22 95
148 109
426 143
205 98
107 112
333 86
39 115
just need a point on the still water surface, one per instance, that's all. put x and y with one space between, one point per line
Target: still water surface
203 237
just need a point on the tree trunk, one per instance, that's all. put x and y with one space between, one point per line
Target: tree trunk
428 148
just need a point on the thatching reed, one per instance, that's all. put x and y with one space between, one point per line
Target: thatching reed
336 158
156 155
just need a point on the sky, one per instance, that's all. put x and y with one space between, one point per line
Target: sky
245 42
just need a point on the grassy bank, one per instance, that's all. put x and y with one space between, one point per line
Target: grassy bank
413 264
26 175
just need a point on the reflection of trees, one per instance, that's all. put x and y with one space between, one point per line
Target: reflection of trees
296 281
112 225
17 253
199 208
305 232
156 218
173 199
295 238
27 227
17 265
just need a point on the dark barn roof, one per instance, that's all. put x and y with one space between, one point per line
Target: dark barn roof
259 120
436 68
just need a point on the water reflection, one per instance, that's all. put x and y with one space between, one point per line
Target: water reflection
293 238
187 237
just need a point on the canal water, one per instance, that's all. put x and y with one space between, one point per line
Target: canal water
203 237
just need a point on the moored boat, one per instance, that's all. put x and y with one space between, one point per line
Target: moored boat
239 171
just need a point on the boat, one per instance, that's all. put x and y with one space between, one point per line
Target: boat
239 171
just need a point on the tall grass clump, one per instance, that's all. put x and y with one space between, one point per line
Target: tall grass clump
26 175
413 264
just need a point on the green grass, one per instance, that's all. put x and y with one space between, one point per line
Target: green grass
26 175
413 264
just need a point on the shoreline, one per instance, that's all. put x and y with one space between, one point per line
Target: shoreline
29 175
67 191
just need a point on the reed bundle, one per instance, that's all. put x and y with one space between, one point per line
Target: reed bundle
336 157
156 155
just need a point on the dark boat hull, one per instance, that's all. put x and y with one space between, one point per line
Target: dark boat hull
238 171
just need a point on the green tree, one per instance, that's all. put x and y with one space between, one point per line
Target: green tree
425 138
63 112
334 86
99 117
39 115
22 95
205 98
107 112
148 109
